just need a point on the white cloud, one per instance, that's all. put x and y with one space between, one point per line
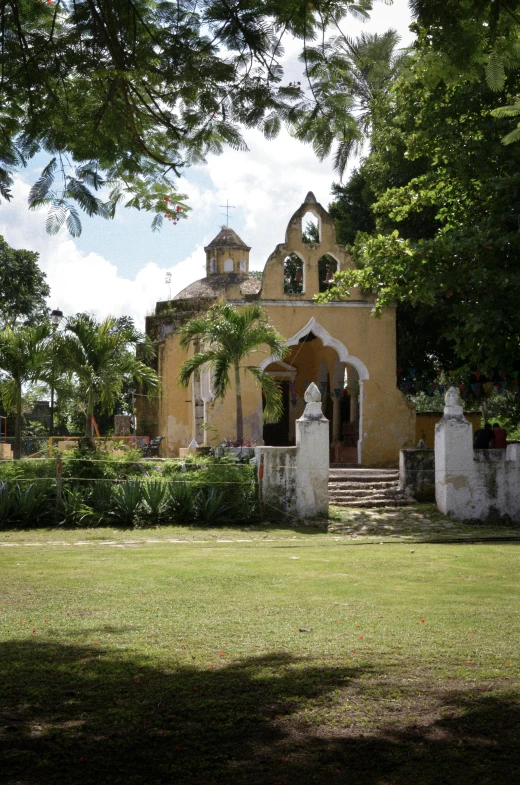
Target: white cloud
87 281
267 185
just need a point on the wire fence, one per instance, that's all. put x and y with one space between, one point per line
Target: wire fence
41 446
203 493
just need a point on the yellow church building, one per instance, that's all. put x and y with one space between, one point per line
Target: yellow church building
341 346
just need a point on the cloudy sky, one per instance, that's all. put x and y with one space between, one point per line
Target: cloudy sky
118 267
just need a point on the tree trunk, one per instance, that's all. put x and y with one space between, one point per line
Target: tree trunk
17 450
240 416
89 441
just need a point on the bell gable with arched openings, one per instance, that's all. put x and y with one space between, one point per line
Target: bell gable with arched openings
284 278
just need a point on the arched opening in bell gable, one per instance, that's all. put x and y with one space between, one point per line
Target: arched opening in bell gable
327 266
293 275
311 230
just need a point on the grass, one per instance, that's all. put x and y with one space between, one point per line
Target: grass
261 655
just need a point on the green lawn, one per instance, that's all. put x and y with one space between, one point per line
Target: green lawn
366 655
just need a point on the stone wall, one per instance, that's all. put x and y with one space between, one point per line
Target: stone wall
417 473
473 484
277 480
294 481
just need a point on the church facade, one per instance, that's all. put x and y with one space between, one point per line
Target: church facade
340 346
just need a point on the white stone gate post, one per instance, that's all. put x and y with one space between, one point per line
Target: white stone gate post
454 459
312 458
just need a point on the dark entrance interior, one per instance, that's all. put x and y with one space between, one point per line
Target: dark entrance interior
277 434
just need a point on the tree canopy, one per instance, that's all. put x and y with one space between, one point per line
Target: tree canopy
469 39
122 95
438 208
22 285
26 356
101 357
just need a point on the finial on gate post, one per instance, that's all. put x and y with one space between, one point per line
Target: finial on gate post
312 399
453 404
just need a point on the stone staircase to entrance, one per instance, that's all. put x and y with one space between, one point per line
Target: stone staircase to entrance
352 486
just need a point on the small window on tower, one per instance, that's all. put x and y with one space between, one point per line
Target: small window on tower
213 265
243 266
293 275
228 266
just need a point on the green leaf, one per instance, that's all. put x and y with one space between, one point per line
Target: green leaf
40 190
495 72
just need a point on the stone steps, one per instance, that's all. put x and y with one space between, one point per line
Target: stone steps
358 493
335 483
357 487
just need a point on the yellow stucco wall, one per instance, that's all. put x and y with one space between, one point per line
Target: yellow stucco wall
345 331
387 420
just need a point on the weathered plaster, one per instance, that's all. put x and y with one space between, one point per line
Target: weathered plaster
473 484
294 480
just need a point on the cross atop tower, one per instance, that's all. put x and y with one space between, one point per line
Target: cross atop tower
228 207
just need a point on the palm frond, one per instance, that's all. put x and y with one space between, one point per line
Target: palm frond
193 364
221 381
273 409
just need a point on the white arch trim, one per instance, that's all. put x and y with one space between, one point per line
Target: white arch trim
315 327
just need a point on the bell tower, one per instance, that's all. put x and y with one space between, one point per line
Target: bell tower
227 253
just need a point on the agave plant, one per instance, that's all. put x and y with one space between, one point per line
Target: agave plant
6 503
31 503
126 502
155 501
180 501
75 510
211 507
101 498
246 506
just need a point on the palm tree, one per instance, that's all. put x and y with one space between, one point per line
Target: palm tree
101 356
347 78
26 356
226 336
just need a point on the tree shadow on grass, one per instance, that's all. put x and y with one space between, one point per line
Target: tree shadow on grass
81 714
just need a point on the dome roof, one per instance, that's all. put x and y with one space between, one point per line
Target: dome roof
214 285
227 238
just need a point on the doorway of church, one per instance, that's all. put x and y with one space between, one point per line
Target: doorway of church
310 361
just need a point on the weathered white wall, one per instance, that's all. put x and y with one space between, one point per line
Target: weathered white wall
473 484
294 480
277 480
417 473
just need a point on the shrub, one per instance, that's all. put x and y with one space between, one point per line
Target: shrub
180 502
27 469
210 492
155 501
27 503
74 509
126 502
